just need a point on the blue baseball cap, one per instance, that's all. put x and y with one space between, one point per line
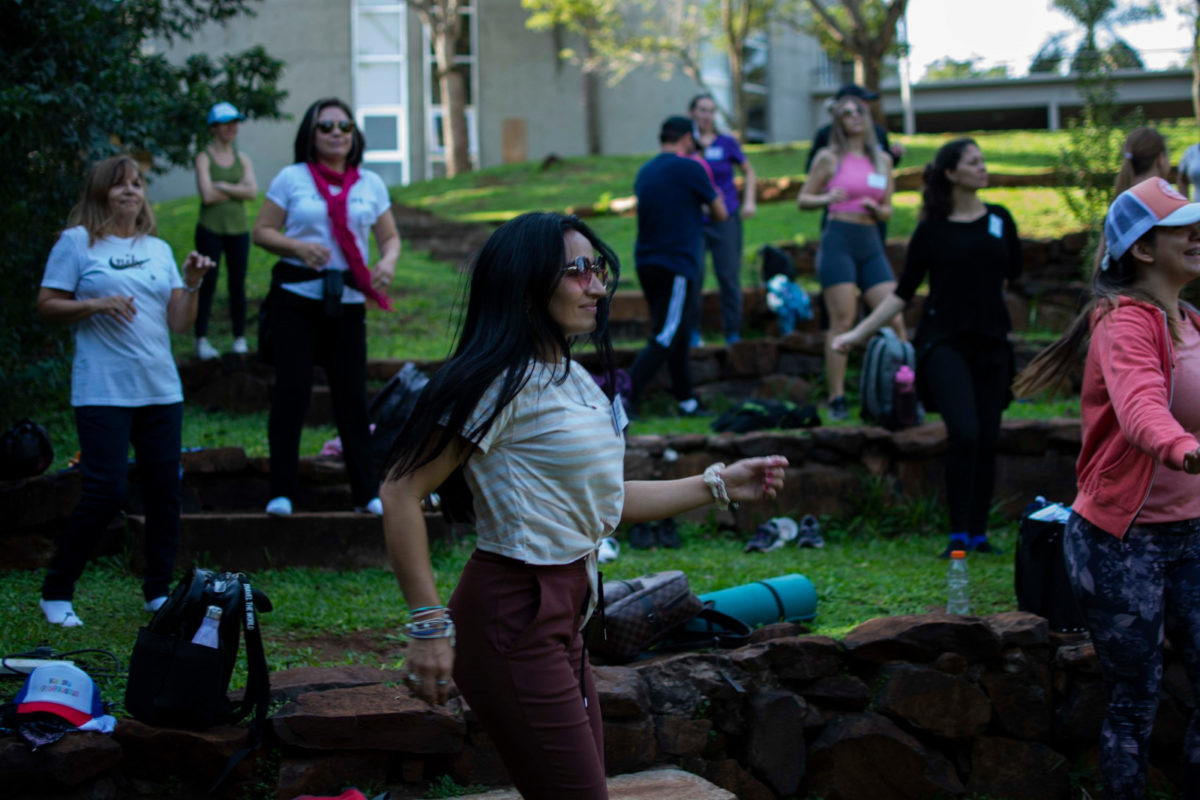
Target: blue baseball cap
1150 204
223 112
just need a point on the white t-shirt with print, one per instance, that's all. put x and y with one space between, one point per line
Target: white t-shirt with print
119 363
307 220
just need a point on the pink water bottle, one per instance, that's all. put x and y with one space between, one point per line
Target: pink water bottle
904 396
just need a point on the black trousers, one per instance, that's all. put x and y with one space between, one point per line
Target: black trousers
968 378
305 336
105 433
236 248
671 298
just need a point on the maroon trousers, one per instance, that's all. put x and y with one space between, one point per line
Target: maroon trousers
521 665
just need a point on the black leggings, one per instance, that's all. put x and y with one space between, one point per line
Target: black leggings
968 378
236 248
673 317
304 336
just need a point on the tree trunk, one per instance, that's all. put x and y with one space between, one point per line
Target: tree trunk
737 83
591 102
1196 62
454 99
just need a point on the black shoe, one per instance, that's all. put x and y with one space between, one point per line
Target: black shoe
838 409
987 547
668 534
641 536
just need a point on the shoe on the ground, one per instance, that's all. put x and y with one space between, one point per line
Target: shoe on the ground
641 536
60 612
608 550
374 506
692 408
696 340
772 534
987 547
240 347
810 532
204 350
279 507
668 534
838 410
155 604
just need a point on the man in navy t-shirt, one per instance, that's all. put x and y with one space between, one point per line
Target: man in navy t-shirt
672 191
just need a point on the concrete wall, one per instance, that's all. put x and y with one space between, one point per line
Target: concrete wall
791 78
312 37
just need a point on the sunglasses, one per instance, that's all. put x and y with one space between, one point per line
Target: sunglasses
850 111
582 271
327 125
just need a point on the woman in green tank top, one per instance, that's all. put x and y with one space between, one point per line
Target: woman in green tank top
225 180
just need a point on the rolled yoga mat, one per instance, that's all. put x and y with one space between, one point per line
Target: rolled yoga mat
787 598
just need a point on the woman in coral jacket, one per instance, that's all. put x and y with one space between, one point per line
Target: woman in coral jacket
1133 540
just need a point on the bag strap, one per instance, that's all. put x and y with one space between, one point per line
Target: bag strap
721 630
258 684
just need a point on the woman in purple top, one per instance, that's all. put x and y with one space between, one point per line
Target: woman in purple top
724 239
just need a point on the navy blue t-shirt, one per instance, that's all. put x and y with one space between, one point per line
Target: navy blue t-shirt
670 190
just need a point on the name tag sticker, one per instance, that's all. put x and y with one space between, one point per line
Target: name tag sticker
995 226
619 420
714 153
876 180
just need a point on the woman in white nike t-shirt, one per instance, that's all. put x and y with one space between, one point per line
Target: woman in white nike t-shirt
117 285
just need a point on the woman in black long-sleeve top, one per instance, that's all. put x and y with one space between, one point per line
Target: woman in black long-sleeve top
969 249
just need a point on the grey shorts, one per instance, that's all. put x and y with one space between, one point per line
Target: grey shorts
851 253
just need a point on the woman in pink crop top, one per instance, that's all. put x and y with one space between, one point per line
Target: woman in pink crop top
852 178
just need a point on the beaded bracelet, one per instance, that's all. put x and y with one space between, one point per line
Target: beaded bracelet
192 289
715 482
426 610
441 628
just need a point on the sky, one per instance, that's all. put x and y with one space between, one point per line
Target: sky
1012 31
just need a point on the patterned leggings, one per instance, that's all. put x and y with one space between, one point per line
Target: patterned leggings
1132 591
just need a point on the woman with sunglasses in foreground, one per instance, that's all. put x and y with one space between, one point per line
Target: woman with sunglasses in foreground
853 179
542 448
317 217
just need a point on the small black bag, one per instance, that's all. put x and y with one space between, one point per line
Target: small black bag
1041 581
25 451
175 683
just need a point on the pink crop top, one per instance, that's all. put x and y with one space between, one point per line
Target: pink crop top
857 176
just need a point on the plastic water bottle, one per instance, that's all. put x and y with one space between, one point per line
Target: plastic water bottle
904 396
206 634
957 595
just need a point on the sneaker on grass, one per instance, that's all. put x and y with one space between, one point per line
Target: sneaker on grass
772 534
668 534
608 550
810 532
641 536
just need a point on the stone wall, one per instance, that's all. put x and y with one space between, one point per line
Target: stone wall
918 706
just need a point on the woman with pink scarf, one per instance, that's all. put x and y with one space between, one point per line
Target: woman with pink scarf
317 217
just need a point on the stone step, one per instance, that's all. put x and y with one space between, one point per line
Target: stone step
341 540
655 784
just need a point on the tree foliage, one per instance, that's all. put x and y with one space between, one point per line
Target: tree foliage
950 69
80 81
862 31
1106 15
1050 56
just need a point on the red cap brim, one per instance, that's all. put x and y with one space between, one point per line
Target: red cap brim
71 715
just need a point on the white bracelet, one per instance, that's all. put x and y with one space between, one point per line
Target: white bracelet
192 289
715 482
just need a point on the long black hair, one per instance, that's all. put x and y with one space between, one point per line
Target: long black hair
936 191
304 149
507 326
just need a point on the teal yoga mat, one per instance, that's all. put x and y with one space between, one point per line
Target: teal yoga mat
787 598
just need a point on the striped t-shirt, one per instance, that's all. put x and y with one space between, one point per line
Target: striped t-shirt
548 477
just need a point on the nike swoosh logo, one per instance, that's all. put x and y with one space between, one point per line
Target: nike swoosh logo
126 263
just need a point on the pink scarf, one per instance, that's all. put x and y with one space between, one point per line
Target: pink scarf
339 219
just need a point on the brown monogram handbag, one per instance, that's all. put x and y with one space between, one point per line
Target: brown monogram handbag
639 612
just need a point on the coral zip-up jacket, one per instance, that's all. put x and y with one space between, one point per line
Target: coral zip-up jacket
1128 429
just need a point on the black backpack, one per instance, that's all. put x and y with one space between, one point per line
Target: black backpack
390 409
877 386
25 451
757 415
174 683
776 262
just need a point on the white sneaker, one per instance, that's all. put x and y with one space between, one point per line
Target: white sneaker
155 604
204 350
279 507
608 550
240 347
60 612
375 506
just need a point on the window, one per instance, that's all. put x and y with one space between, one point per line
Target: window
466 63
379 33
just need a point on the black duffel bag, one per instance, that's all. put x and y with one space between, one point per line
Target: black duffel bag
1042 583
